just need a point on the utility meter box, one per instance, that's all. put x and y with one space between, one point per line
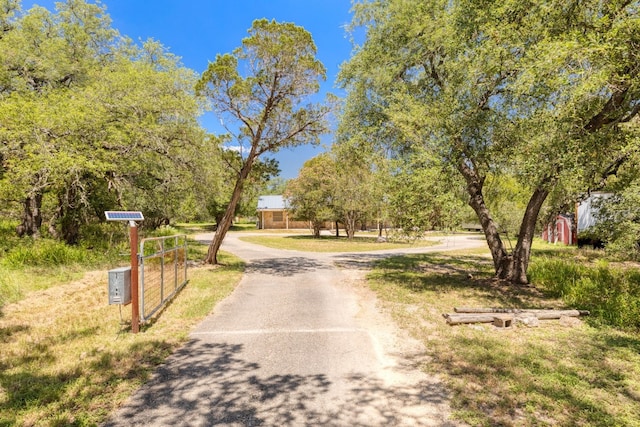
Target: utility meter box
120 285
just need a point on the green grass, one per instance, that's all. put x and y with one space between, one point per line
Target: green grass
69 359
308 243
559 374
243 227
209 227
46 253
35 265
612 294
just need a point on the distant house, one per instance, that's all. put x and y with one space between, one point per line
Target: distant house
273 214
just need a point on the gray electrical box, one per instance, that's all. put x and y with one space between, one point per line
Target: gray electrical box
120 285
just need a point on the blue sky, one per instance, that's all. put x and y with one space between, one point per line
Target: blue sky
197 30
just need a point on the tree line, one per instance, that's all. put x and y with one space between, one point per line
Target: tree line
91 121
516 109
402 199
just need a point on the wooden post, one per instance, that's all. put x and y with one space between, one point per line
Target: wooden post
135 307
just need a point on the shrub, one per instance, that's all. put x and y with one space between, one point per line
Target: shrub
45 253
105 236
163 231
8 235
611 294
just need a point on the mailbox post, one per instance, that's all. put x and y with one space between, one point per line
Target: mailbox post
131 217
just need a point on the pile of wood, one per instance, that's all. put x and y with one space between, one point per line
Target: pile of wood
505 317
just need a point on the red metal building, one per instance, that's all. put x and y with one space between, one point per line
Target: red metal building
563 231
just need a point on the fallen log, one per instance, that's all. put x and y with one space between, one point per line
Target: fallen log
510 310
457 319
505 318
496 310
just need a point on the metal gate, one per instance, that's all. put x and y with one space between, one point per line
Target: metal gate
163 271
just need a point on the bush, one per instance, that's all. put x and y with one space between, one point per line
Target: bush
8 235
612 295
45 253
105 236
163 231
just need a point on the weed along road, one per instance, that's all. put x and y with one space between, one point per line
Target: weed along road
300 342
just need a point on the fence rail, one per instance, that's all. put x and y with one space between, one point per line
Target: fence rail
163 271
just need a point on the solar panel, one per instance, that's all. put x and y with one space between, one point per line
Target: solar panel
123 216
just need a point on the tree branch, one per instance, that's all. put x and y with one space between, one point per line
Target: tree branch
610 112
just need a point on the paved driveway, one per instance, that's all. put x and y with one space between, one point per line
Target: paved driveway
300 342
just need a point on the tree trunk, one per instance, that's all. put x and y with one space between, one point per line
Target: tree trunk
70 227
316 229
70 216
31 216
502 260
227 219
522 251
508 266
350 225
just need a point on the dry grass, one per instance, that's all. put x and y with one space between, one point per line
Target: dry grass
69 359
559 374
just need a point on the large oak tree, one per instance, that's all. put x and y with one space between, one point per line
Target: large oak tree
546 91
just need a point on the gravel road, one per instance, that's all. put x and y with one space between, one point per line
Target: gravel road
300 342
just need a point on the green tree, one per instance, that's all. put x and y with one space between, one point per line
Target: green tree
618 215
310 194
274 186
91 121
266 104
356 193
547 90
46 59
506 198
422 196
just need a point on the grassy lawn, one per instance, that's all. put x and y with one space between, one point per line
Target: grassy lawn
68 357
308 243
209 227
559 374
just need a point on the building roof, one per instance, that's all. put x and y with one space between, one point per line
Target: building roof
271 203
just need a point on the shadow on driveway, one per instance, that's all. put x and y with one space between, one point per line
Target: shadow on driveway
208 383
288 266
358 261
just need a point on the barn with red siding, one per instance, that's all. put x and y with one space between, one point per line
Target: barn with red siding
562 231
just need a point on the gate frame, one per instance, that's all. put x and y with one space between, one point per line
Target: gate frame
161 254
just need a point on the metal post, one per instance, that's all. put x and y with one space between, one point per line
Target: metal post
135 307
163 254
176 259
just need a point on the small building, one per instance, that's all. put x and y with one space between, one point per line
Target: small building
587 210
562 231
273 214
567 227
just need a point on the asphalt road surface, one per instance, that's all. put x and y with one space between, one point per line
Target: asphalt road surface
300 342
